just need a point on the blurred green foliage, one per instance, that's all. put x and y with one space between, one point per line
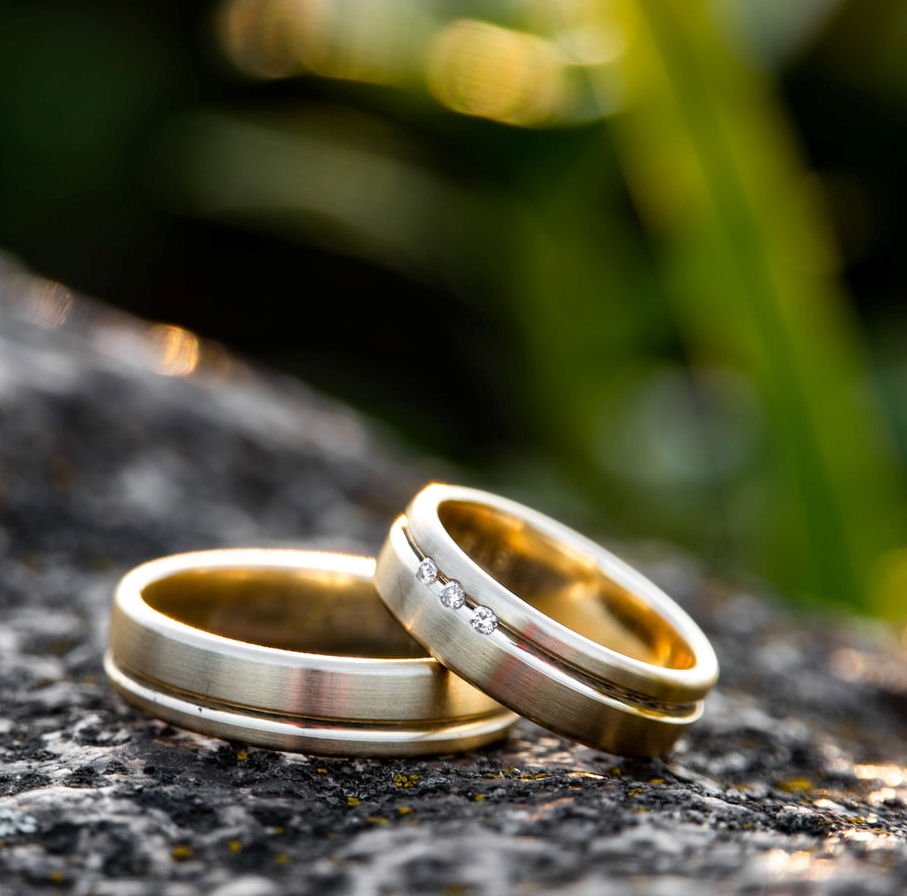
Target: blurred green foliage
612 192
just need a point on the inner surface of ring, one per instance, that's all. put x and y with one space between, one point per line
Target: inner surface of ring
563 584
309 611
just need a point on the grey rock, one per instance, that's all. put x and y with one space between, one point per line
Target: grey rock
793 782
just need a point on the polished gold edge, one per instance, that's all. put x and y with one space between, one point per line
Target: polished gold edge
623 695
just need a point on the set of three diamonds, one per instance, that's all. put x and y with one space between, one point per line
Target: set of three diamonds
453 596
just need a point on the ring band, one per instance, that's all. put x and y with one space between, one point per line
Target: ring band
545 621
286 649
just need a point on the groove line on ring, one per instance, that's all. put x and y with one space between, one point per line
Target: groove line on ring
629 696
243 709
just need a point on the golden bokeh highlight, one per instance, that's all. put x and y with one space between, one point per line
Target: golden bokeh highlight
175 351
261 37
565 69
487 71
371 41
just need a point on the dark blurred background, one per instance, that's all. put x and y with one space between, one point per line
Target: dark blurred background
644 261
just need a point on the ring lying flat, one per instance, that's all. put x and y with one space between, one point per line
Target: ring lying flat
545 621
286 649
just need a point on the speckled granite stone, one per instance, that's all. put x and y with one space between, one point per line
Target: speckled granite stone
795 781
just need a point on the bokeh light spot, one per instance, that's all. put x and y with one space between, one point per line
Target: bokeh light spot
357 40
176 351
481 69
262 37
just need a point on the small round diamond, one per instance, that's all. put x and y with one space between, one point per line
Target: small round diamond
483 620
427 571
453 595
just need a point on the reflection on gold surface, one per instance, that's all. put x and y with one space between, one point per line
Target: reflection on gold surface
491 72
176 351
312 611
565 585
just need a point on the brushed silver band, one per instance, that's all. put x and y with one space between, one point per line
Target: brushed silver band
286 649
545 621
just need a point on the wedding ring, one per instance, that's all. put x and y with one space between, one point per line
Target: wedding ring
545 621
286 649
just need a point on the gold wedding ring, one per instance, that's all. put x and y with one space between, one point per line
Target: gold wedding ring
545 621
287 649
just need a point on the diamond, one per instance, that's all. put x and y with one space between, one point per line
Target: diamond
483 620
453 595
427 571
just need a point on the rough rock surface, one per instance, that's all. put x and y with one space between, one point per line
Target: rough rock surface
795 780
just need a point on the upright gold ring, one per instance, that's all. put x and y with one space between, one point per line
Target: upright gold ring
286 649
545 621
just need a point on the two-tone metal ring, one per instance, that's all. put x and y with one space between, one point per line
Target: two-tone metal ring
295 650
287 649
545 621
